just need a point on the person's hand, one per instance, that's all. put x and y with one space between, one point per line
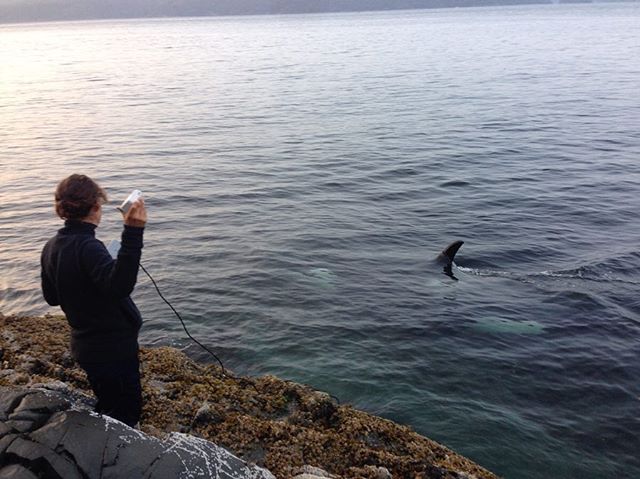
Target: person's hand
137 214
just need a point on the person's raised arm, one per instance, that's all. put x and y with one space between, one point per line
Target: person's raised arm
118 278
137 214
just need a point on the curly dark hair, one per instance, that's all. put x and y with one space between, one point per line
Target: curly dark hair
76 195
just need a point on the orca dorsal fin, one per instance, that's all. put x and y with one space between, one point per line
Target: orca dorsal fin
450 251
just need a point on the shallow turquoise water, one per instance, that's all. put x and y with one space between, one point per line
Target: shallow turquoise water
301 173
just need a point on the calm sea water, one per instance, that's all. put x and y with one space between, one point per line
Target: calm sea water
301 172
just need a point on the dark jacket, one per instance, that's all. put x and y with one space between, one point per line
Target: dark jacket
93 290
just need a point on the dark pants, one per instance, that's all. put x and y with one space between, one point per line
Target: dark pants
116 384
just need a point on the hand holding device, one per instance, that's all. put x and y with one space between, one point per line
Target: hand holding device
133 209
126 204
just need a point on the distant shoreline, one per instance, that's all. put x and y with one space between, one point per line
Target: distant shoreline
34 12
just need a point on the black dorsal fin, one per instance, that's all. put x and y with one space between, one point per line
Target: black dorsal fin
450 251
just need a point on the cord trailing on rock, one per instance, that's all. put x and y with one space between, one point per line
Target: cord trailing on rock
276 424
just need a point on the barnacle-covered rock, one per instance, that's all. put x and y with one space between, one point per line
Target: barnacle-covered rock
277 424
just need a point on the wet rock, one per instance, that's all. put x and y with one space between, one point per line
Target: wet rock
42 403
72 395
16 471
88 449
75 444
4 429
9 399
19 426
383 473
322 408
308 408
34 410
311 472
49 463
206 414
29 416
6 441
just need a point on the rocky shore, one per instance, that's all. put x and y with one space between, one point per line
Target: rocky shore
286 428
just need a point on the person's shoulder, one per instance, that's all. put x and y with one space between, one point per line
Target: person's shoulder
50 243
91 242
91 249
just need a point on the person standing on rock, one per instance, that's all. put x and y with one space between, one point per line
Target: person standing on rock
93 289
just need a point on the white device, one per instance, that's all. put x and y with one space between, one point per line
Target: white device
113 247
126 204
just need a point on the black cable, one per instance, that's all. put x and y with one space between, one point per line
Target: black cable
224 371
184 326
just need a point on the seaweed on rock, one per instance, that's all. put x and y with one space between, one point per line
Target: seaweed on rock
277 424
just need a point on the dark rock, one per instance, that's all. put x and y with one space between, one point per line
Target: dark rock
434 472
4 429
57 443
34 419
312 471
163 466
20 426
81 435
9 399
42 460
35 366
58 464
316 408
372 439
206 415
34 409
16 471
383 473
323 409
67 361
42 402
5 442
52 432
63 390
